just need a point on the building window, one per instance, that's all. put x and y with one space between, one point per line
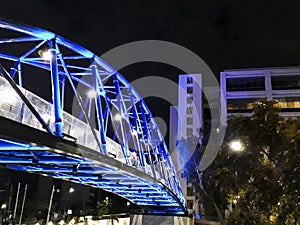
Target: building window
189 191
285 82
190 90
288 104
241 105
189 110
190 204
189 120
245 84
189 100
189 131
189 80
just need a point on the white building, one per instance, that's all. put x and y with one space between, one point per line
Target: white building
241 88
186 121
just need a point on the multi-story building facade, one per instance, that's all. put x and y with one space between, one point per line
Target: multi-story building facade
241 88
186 121
189 105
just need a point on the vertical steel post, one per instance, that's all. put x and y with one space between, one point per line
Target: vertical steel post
124 143
20 78
9 200
55 89
17 199
97 86
136 123
50 205
23 204
146 131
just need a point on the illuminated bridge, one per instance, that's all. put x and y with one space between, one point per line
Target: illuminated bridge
66 113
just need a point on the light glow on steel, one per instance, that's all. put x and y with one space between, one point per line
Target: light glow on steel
116 105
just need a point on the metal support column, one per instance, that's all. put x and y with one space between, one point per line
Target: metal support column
137 125
97 86
55 89
124 143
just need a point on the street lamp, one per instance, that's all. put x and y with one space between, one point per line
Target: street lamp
236 146
3 207
71 190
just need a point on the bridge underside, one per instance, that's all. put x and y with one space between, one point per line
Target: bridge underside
26 149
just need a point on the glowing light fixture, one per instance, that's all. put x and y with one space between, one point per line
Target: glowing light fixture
91 93
117 117
237 146
45 54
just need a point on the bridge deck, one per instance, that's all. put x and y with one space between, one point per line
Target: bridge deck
41 153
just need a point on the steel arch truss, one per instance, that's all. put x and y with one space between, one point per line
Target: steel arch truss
88 102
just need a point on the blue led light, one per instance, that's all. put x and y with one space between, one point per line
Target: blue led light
129 171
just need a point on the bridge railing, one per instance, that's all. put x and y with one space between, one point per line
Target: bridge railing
12 107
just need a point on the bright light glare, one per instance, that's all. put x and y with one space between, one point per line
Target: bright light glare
92 94
46 55
236 146
134 132
117 117
3 206
90 222
47 117
71 190
10 96
50 223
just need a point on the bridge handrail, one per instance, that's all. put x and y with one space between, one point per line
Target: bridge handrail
12 107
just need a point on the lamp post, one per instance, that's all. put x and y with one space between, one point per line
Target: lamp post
3 207
50 205
236 146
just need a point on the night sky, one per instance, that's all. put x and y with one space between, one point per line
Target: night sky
225 34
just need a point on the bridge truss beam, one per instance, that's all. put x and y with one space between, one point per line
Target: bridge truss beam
87 102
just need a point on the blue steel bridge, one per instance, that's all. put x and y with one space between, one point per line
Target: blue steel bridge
67 114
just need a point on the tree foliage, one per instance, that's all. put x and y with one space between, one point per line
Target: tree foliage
260 185
105 210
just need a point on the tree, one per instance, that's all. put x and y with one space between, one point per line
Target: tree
261 184
104 209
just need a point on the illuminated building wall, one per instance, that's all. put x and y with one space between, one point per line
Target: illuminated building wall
241 88
186 121
189 105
